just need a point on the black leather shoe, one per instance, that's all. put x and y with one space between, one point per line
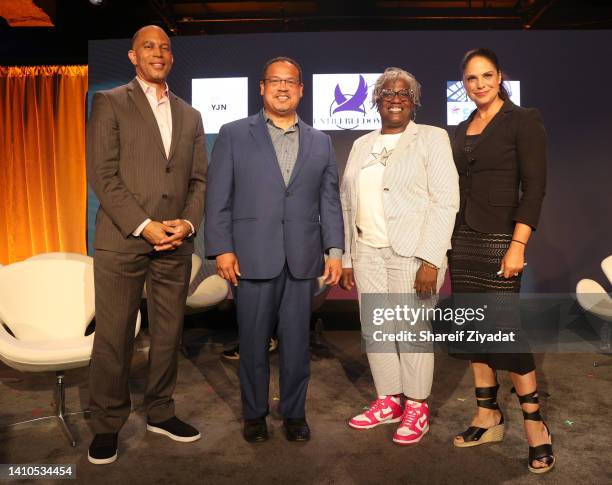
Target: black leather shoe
297 429
103 449
175 429
255 430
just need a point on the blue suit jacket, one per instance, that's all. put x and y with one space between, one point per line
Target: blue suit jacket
250 211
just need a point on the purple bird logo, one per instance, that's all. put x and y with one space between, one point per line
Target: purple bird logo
351 102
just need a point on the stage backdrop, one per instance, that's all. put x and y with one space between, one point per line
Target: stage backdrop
563 74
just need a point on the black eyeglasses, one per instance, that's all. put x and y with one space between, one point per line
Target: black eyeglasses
275 81
389 94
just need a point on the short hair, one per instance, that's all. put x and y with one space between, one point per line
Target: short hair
392 74
281 59
137 33
490 56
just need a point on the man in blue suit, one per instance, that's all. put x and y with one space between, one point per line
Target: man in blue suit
272 211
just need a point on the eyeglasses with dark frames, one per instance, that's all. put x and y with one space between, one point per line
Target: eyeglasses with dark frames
275 82
389 94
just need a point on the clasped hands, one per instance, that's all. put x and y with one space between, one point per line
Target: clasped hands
166 235
229 269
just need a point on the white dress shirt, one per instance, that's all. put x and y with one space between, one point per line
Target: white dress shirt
163 116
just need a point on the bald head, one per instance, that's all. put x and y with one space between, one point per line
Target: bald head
145 29
151 54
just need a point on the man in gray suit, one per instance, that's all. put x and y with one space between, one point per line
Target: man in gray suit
272 210
146 162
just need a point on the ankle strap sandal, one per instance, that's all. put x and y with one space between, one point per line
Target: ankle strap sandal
542 453
486 397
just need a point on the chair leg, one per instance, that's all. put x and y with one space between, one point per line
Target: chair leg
604 335
60 411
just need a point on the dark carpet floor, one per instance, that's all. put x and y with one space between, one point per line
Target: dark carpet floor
576 403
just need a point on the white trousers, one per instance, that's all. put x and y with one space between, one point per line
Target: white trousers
381 270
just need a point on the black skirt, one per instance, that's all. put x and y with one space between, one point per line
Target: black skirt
473 264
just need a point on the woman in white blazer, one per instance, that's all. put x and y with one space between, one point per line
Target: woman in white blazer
400 195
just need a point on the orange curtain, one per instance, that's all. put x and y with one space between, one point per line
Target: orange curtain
43 188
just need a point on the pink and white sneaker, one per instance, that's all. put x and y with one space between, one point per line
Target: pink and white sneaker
386 409
415 423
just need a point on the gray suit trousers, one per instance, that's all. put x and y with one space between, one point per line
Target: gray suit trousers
119 280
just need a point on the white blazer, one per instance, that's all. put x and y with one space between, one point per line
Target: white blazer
420 193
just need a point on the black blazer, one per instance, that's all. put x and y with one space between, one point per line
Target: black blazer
509 155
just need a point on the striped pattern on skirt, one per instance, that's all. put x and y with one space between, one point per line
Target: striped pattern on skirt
473 263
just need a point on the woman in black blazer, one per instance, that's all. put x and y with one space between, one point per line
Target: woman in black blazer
499 150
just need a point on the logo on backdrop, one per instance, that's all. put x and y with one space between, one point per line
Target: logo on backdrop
220 100
342 102
353 102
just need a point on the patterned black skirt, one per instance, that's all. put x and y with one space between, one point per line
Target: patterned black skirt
473 264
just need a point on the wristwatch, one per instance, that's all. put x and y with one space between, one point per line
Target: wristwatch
429 265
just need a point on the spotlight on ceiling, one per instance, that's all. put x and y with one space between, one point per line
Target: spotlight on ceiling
96 3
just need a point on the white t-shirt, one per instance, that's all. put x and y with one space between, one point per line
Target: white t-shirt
372 229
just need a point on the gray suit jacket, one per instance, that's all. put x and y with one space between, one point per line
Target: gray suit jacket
128 169
420 193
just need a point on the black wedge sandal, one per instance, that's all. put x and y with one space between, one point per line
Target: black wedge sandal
542 453
486 397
